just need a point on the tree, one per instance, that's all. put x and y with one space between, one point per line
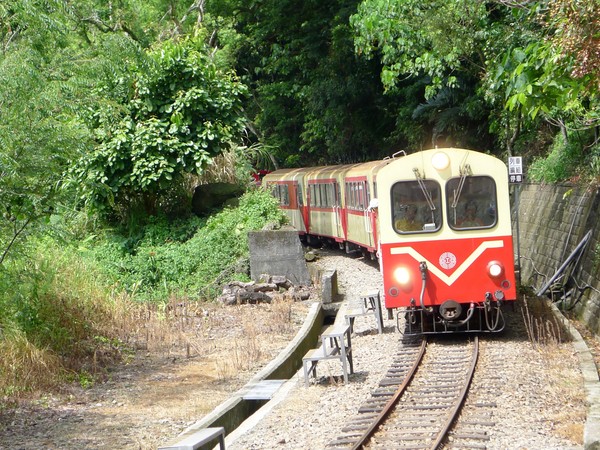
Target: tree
38 127
555 76
440 51
432 38
311 99
179 112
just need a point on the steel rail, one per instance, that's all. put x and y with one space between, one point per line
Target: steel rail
461 399
392 401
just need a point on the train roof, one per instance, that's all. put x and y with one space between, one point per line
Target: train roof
372 168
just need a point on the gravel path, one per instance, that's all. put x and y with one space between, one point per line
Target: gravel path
533 393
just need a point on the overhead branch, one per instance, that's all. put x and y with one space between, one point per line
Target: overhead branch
523 4
16 234
109 28
198 5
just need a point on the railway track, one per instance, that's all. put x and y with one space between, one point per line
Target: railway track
418 399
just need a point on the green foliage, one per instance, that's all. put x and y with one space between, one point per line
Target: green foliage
312 100
562 162
416 38
537 80
594 160
38 133
165 259
435 53
53 299
549 74
182 113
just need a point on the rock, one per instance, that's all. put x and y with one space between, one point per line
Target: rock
237 292
310 256
264 287
252 297
213 195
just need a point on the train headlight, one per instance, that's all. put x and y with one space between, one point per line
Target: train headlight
402 276
440 161
495 269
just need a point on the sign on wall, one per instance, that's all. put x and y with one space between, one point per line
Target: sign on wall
515 169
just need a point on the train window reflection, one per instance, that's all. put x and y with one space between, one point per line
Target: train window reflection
471 202
416 206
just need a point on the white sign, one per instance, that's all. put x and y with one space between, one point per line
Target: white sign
515 169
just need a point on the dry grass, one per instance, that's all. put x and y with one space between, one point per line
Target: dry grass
190 329
24 367
547 336
571 431
567 386
543 329
233 339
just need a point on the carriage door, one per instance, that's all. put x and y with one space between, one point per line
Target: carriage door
337 206
363 207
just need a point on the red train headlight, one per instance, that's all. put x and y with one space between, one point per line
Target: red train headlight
495 269
402 276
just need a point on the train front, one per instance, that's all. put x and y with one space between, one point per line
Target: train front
446 247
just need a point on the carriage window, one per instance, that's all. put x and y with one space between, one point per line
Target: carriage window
350 200
356 195
330 195
299 195
361 196
471 202
416 206
281 193
322 195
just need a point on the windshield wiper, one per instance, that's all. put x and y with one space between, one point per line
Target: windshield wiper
426 193
465 171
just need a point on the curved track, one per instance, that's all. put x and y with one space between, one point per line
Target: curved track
418 400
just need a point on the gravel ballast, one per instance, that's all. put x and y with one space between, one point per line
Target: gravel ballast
533 392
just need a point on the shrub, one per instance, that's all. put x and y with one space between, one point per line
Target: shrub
561 163
160 260
53 308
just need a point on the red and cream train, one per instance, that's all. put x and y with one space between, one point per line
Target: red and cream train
438 221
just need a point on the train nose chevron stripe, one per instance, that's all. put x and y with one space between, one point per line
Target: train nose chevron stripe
433 268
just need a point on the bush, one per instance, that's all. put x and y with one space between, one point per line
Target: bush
63 312
562 162
161 261
53 308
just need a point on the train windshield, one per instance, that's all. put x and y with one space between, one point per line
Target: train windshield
416 206
471 202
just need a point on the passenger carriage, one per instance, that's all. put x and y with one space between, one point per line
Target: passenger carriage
360 187
325 199
288 186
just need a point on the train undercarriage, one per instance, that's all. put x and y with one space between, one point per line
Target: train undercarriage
347 246
452 317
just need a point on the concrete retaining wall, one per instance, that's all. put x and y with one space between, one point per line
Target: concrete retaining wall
552 222
277 252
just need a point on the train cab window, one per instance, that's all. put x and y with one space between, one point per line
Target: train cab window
471 202
416 206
